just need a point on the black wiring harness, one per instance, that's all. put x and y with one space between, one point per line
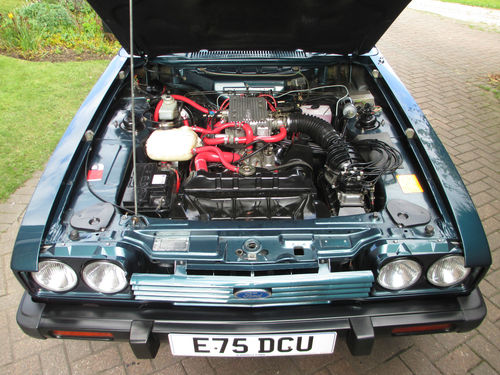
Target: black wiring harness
388 161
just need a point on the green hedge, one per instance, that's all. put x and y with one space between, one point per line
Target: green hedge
51 26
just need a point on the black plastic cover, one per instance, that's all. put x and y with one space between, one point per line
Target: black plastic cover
93 218
163 26
407 214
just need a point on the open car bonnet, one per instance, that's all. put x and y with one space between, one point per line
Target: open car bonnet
163 27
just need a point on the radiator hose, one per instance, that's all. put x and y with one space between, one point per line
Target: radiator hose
340 154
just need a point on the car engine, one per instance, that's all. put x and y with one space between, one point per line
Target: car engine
258 151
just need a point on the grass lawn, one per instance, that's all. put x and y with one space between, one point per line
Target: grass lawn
479 3
37 102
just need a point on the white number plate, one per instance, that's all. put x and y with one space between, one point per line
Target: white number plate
252 345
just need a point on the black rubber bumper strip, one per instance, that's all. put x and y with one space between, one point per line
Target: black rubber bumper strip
145 326
143 343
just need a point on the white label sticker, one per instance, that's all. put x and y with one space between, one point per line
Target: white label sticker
159 179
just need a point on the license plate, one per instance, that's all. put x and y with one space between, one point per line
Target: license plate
252 345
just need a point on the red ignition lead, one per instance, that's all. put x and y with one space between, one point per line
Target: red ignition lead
224 105
271 106
204 152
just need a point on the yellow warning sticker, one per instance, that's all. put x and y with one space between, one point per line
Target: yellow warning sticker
409 183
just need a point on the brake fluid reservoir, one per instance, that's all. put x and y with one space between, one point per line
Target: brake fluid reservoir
172 144
168 110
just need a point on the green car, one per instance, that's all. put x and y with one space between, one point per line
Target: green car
255 181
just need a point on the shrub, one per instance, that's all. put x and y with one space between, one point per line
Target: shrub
53 17
51 26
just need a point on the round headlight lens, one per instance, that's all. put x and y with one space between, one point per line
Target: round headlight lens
448 271
55 276
105 277
399 274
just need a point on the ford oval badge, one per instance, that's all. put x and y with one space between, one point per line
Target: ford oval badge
252 293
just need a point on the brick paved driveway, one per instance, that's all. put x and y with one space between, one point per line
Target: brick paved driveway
442 62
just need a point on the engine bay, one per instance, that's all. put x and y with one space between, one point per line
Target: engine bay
254 142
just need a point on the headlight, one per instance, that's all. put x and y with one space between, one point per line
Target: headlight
448 271
55 276
399 274
105 277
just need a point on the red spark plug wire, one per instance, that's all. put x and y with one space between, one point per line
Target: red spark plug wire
224 104
271 106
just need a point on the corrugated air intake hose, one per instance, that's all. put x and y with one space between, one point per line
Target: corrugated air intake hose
340 154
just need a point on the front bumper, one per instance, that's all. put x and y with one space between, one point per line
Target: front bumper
144 327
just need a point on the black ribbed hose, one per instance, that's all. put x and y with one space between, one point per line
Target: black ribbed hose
340 153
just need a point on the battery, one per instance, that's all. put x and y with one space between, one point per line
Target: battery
155 187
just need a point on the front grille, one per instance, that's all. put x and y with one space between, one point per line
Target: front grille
301 289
